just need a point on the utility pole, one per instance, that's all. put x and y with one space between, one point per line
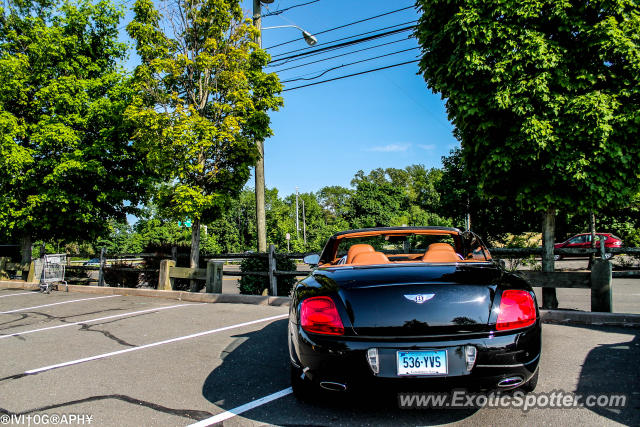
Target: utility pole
304 224
468 219
297 217
261 220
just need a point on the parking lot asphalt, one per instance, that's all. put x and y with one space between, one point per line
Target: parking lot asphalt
135 361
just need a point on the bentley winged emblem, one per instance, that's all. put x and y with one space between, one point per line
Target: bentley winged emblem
419 298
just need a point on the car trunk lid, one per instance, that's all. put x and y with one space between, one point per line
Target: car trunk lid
445 301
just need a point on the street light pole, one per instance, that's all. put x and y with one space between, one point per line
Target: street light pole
304 225
261 219
297 217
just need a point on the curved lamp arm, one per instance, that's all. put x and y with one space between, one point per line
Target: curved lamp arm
308 37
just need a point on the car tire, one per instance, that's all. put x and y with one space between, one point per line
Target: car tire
607 256
530 385
302 389
557 257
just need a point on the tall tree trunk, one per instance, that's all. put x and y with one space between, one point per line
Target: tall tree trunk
592 227
25 249
194 257
549 298
25 253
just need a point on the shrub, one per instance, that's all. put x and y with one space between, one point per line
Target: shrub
255 285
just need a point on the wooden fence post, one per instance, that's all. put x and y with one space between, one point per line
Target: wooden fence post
601 278
101 271
165 282
31 274
273 280
3 265
214 277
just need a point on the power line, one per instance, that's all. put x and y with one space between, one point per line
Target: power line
347 65
344 38
341 45
350 75
435 117
345 25
278 12
338 56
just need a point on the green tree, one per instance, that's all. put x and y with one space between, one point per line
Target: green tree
376 205
544 98
417 185
67 165
201 102
334 200
490 217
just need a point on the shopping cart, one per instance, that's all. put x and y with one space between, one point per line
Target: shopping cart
53 268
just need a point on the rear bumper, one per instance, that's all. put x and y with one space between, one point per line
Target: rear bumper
343 359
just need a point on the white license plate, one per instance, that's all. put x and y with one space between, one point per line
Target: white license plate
425 362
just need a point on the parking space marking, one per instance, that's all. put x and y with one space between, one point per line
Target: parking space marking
154 344
21 293
55 303
82 322
243 408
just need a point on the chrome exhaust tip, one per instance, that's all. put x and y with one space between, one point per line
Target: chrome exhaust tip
330 385
511 382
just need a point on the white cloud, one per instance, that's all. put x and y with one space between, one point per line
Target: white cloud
390 148
427 146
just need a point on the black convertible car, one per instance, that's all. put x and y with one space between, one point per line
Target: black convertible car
419 305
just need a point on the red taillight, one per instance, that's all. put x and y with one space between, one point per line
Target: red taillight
320 316
517 310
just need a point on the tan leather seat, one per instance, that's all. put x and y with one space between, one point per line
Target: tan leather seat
440 252
370 258
358 249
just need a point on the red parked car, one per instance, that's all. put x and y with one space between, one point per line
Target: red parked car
584 241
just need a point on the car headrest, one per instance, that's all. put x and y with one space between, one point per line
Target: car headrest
370 258
358 249
440 252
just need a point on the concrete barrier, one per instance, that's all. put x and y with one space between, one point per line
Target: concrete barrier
570 317
175 295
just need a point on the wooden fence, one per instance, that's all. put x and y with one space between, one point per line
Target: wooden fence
168 270
598 280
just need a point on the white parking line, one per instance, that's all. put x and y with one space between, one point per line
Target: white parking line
55 303
82 322
243 408
21 293
172 340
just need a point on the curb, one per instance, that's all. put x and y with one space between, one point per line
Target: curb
569 317
561 317
175 295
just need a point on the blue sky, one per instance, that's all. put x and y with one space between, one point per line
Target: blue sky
324 134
